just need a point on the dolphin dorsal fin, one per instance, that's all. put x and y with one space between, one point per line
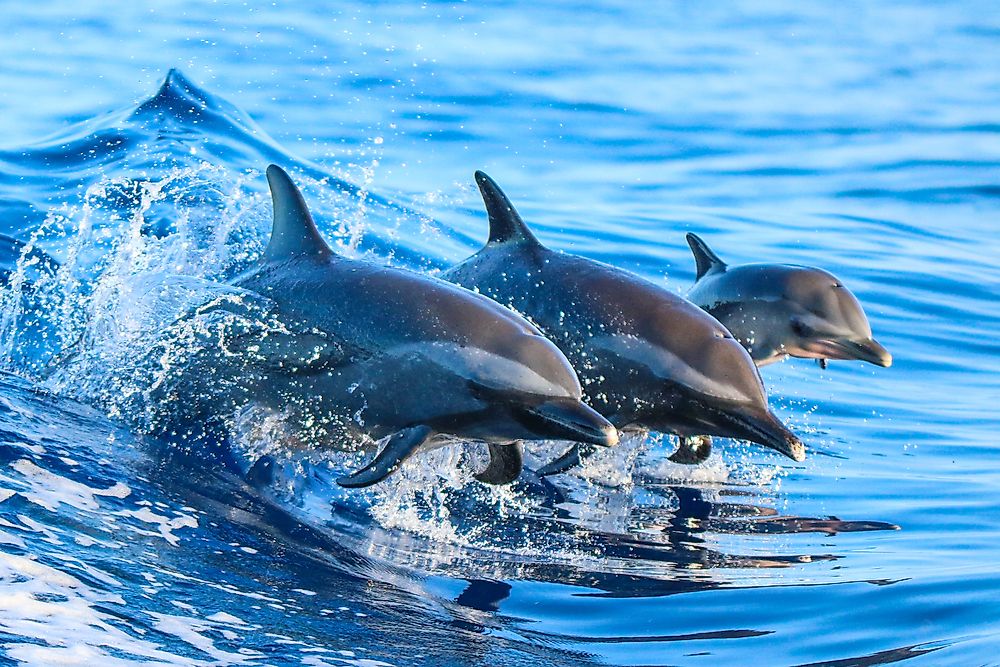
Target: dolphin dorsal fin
506 226
706 260
293 233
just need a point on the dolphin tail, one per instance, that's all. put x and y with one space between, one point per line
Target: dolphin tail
506 225
571 458
706 261
399 447
506 462
692 450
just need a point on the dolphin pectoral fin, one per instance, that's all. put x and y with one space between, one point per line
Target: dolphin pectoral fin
822 363
506 463
399 447
573 457
692 450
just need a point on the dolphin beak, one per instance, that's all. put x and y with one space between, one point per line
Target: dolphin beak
871 351
765 429
569 419
859 349
863 349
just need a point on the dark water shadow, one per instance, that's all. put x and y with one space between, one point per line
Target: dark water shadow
881 657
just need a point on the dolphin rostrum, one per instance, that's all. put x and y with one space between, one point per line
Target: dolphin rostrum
647 358
779 310
357 350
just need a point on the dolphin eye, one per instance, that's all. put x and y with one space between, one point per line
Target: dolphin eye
801 328
479 390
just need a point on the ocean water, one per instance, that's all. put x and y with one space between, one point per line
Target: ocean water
860 138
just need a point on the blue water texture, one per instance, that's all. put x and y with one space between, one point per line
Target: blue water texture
863 138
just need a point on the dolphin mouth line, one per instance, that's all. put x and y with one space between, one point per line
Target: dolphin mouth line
850 350
788 445
580 423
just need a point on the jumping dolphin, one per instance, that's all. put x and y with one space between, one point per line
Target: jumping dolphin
647 358
779 310
367 350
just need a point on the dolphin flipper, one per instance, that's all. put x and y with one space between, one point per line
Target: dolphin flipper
506 463
399 447
573 457
692 450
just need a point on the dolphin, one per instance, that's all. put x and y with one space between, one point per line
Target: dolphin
780 310
356 350
647 358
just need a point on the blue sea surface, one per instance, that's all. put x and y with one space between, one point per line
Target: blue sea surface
863 138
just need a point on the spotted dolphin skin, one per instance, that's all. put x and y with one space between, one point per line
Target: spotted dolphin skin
779 310
647 358
363 350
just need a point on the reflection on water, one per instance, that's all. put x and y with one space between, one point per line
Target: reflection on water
669 547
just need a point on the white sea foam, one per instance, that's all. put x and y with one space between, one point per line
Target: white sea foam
59 620
50 490
165 525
